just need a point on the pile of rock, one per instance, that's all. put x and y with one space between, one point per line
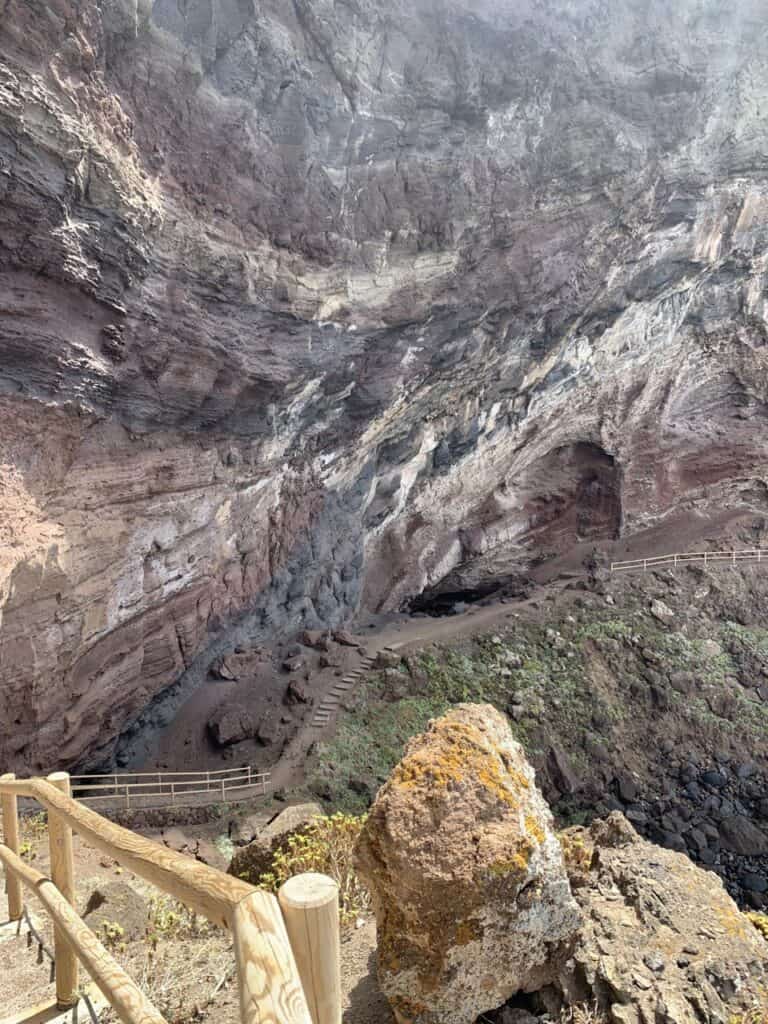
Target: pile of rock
717 813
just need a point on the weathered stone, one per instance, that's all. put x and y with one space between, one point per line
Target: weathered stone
209 853
315 638
469 889
231 723
662 612
345 638
614 873
561 770
252 861
296 693
742 836
177 840
388 659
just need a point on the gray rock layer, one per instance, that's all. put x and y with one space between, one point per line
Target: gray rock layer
292 289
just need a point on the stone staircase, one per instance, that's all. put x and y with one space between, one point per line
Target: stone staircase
329 705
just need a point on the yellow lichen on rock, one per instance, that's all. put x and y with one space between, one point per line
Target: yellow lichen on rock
452 841
461 751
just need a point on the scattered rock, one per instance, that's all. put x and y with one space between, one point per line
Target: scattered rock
628 788
296 693
315 638
470 893
176 840
253 860
346 639
246 829
662 611
613 873
741 836
220 670
561 771
388 659
268 731
210 854
714 779
231 723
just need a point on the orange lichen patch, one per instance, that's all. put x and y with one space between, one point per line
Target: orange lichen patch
516 865
459 750
577 851
466 932
533 828
407 1010
760 921
734 922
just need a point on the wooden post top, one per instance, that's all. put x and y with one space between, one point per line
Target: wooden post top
307 891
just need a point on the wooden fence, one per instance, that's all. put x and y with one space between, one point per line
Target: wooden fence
705 558
287 961
169 789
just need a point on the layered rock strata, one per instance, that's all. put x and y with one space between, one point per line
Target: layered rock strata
303 302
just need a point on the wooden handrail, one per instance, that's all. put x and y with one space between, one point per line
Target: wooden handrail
130 1003
77 779
164 788
689 557
268 979
207 891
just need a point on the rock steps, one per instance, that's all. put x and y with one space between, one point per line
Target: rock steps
329 705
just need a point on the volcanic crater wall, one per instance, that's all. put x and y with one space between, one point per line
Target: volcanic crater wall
311 303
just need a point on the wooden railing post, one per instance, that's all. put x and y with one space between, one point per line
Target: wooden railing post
268 980
310 905
63 877
11 840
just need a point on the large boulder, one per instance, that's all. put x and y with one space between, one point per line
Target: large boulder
470 891
252 861
231 723
662 941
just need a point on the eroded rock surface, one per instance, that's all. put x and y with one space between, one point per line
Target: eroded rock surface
287 289
253 860
471 897
662 942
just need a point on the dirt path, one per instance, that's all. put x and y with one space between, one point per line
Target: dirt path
412 633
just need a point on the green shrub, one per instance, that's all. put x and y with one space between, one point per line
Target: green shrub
327 846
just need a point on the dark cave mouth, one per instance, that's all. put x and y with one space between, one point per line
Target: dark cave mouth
438 602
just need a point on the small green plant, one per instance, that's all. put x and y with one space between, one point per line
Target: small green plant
326 845
753 1016
113 935
169 919
34 826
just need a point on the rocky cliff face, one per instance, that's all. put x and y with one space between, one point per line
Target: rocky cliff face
310 303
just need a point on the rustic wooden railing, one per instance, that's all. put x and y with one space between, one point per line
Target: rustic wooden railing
169 789
706 558
284 975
